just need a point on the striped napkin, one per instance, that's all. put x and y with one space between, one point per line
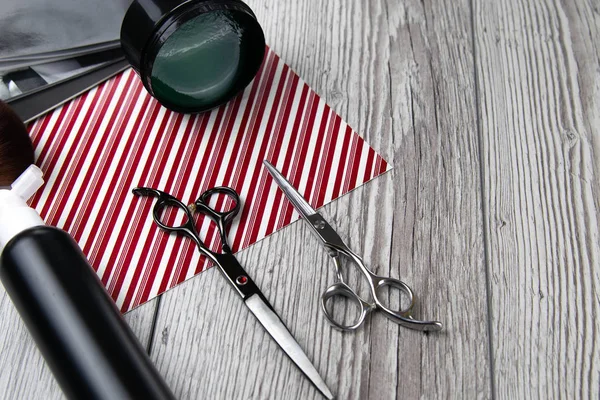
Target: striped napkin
97 147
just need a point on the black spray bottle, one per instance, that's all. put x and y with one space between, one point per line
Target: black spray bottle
90 349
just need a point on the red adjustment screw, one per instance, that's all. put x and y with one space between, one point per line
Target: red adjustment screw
242 280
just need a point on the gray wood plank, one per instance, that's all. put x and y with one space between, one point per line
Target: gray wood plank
141 321
23 371
539 99
438 235
379 64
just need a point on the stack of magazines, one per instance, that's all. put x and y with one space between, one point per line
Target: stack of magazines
45 45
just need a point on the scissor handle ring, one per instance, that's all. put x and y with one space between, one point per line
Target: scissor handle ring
225 216
341 289
161 204
221 218
380 282
403 317
163 200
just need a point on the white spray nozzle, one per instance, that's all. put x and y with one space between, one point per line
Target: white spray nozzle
15 215
28 182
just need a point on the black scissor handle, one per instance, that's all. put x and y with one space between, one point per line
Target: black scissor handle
166 200
221 218
226 216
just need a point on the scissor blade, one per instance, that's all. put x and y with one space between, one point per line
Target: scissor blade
267 317
319 226
301 205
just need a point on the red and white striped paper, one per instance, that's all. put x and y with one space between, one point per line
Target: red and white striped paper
96 148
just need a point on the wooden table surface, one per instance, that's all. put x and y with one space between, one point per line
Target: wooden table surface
489 112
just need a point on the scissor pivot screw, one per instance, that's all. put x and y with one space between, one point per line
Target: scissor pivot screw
241 280
320 224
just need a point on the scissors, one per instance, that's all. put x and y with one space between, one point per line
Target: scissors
336 247
231 268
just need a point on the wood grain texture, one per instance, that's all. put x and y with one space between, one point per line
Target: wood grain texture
23 371
390 69
490 114
438 233
539 90
141 321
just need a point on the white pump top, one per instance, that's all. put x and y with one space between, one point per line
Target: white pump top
15 215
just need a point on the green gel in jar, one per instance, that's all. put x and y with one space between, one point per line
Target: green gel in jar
193 55
200 63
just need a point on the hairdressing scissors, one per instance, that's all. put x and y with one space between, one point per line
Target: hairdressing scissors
336 247
231 268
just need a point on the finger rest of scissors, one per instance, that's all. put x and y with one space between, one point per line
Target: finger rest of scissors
146 191
410 322
401 317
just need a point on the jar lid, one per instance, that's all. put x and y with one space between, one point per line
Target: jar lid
193 55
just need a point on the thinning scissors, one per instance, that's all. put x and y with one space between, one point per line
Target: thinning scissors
336 247
231 268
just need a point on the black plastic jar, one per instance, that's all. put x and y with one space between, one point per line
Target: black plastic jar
193 55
